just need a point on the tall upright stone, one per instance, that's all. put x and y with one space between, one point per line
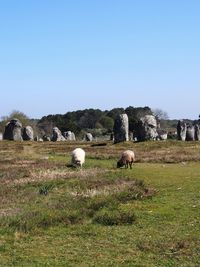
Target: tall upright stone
162 134
121 128
190 133
88 137
181 130
197 132
1 136
28 133
13 130
147 128
69 136
57 135
46 138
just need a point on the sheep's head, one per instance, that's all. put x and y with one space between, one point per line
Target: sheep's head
78 163
120 164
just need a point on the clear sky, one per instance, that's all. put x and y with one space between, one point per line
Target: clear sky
62 55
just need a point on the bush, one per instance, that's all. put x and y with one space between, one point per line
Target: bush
126 196
44 190
32 220
114 217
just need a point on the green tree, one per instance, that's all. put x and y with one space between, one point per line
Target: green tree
107 123
134 114
90 118
113 113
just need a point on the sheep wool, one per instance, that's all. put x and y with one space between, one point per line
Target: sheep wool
127 158
78 157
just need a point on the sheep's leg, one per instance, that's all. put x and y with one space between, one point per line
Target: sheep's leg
130 164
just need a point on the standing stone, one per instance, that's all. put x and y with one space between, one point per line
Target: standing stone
121 128
147 128
28 133
36 138
57 135
131 136
162 134
181 130
1 136
70 136
46 138
197 132
190 133
88 137
112 137
13 130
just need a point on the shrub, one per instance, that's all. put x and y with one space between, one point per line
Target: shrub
44 190
126 196
31 220
114 217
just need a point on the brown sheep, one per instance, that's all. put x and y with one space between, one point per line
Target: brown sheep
127 158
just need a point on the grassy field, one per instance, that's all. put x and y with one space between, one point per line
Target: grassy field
54 215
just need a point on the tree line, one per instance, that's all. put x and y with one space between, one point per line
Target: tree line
95 120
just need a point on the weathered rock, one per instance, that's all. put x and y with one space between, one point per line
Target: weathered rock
57 135
121 128
112 137
13 130
46 138
36 138
88 137
28 133
131 136
162 135
147 128
197 132
1 136
190 133
181 130
70 136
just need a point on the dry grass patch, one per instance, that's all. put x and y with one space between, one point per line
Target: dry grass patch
9 212
115 187
25 171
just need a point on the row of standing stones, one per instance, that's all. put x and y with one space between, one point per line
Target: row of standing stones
14 131
146 129
187 132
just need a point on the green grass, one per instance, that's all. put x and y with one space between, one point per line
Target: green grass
54 215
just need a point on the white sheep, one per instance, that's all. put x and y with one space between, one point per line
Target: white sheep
127 158
78 157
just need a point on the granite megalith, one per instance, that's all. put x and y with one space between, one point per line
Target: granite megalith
28 134
190 133
88 137
69 136
57 135
197 132
13 130
181 130
147 128
121 128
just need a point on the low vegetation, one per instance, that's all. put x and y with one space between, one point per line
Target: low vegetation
52 214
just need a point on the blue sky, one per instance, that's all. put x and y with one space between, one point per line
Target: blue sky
64 55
